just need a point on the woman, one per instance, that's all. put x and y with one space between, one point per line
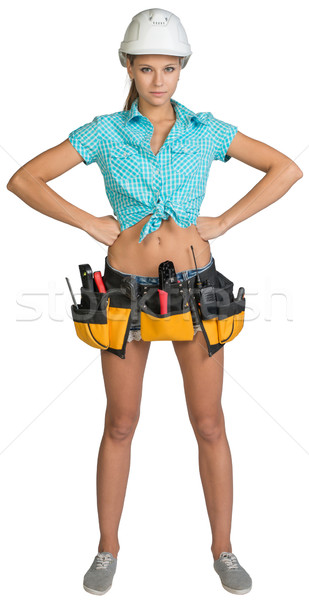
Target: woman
155 158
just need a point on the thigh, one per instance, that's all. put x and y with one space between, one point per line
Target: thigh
123 380
203 379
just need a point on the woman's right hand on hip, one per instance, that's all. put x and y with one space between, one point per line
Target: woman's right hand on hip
104 229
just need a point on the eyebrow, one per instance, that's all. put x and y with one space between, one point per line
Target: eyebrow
143 65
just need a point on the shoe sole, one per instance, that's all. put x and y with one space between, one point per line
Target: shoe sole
233 591
96 592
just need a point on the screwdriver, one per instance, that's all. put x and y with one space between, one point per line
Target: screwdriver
198 283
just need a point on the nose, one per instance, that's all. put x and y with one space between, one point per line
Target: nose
158 79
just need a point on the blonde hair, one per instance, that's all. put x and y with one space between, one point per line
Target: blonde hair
133 91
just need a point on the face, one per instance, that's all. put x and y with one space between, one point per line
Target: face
155 73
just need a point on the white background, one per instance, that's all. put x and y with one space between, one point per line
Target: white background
60 68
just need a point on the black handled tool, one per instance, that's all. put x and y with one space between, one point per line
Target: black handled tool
167 275
207 295
241 294
86 276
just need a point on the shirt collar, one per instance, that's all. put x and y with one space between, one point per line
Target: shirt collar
183 114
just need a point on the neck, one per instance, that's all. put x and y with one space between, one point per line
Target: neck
155 114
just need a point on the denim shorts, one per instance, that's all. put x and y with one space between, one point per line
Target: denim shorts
135 332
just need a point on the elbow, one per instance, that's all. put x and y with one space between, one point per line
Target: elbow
10 185
295 170
298 173
14 181
288 167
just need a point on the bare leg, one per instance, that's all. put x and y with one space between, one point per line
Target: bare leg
123 379
203 379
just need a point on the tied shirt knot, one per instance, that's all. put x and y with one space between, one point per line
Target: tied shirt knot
161 213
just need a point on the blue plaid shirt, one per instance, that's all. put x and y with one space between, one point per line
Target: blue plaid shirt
138 182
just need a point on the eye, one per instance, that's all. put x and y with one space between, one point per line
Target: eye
148 68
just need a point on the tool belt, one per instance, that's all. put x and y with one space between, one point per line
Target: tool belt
103 320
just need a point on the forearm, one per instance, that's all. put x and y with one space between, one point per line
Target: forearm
277 181
37 194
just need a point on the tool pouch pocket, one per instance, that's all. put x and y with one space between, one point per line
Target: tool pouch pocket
176 324
119 321
231 310
91 318
220 314
207 303
102 320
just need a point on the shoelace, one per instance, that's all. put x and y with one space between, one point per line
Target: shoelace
230 560
102 562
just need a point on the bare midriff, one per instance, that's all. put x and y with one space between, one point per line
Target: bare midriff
168 242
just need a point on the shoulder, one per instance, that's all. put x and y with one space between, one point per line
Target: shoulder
102 128
102 123
110 118
204 117
208 119
217 129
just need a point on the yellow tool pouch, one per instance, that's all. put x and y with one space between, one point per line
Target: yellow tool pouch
176 324
91 324
102 320
219 313
231 310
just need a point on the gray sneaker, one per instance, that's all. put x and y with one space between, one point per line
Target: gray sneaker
233 577
99 578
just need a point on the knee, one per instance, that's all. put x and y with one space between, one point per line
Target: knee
121 428
210 429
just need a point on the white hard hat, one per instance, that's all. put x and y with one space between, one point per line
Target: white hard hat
155 31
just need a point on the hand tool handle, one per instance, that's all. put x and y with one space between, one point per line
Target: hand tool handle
241 294
163 297
86 276
99 281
